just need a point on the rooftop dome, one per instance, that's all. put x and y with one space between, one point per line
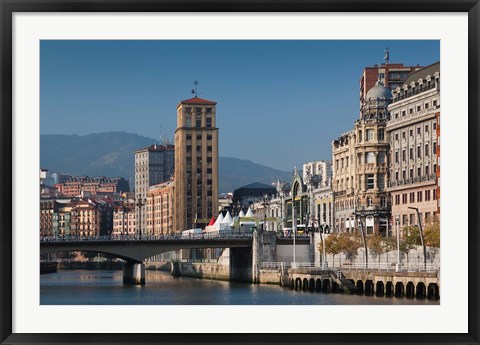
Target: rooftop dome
379 91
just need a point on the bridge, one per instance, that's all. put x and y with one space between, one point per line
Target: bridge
247 249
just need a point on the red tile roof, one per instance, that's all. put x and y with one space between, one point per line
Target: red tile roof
197 100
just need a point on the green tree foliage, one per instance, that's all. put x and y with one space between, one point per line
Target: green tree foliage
377 245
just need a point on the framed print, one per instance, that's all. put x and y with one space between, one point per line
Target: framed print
215 172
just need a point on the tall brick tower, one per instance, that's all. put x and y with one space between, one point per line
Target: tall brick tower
196 163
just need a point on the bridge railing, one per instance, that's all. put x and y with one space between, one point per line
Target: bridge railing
206 235
304 264
412 267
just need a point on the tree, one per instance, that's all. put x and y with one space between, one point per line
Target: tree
377 245
348 244
332 245
411 239
432 235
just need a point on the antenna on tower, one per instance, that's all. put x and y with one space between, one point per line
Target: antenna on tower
194 91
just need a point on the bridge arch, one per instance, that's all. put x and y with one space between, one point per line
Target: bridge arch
380 289
326 285
410 290
368 287
433 291
421 291
311 285
389 289
399 289
359 287
305 284
318 285
298 284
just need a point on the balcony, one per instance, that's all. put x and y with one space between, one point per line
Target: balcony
415 92
412 180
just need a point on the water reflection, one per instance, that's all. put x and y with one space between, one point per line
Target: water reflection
106 288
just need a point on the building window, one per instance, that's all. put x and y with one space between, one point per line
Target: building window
404 198
427 195
199 148
209 149
404 156
396 157
412 197
434 168
188 121
403 174
419 196
397 199
359 136
411 173
435 103
426 128
434 126
419 152
199 137
434 148
369 135
434 194
403 113
411 153
369 201
189 136
208 110
396 136
419 108
419 171
418 130
209 137
381 157
381 135
403 135
427 170
198 120
383 201
381 181
426 150
370 157
411 133
426 105
411 111
396 175
369 181
209 122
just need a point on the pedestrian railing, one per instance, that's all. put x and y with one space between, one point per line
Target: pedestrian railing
392 267
304 264
337 273
273 265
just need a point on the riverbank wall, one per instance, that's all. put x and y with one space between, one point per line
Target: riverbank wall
85 265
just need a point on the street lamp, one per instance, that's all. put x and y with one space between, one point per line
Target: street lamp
421 236
363 237
265 204
140 203
397 266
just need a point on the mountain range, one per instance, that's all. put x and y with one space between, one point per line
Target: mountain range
111 154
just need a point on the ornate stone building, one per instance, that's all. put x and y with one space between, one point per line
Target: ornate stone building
413 130
360 168
344 181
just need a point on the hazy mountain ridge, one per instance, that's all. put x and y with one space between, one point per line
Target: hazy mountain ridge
111 154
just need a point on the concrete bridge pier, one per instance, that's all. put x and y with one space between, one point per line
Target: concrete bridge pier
134 273
263 250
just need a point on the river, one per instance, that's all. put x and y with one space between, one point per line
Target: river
102 287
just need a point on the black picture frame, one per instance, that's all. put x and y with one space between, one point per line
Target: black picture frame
8 7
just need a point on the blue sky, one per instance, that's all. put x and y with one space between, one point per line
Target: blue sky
280 103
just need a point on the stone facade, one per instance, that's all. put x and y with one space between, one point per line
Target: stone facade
413 131
124 219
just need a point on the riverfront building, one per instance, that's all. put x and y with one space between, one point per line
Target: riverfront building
196 164
160 210
153 165
413 130
74 186
124 219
